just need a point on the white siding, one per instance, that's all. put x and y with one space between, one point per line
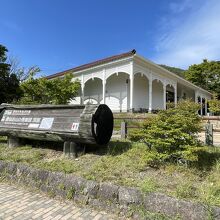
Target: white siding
141 92
157 95
116 74
93 91
182 90
116 92
75 101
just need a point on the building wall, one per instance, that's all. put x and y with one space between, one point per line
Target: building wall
117 92
184 92
93 91
118 85
157 95
141 92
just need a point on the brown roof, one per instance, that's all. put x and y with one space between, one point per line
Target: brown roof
92 64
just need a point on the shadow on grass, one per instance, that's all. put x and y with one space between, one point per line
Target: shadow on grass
3 140
112 148
52 145
207 159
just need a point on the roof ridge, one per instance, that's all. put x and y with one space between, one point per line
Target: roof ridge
92 64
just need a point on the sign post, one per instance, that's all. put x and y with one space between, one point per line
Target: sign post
209 133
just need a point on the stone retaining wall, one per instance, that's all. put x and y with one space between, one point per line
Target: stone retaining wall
216 123
105 195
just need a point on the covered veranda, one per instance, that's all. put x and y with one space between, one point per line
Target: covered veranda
138 92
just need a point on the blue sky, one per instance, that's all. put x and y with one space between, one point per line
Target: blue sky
60 34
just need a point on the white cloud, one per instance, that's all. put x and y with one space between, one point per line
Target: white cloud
177 8
190 40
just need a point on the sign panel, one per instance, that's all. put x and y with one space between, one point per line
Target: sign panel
58 119
46 123
75 126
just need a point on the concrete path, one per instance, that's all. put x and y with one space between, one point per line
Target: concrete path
20 204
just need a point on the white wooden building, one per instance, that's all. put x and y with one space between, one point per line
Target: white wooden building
129 82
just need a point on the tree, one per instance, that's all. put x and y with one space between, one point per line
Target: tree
214 105
21 72
43 91
205 75
9 83
173 131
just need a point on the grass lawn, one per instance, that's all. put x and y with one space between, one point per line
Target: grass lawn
126 163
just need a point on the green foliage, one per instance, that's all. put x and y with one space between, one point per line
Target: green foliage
120 166
118 147
173 131
62 165
205 75
186 190
21 154
51 194
21 72
70 193
178 71
207 158
9 83
144 214
43 91
61 186
149 185
210 189
135 165
214 105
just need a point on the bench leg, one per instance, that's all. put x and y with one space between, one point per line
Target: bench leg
66 148
13 142
73 150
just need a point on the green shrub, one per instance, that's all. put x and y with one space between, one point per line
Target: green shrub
70 193
214 106
173 132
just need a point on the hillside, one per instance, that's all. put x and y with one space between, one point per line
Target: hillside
178 71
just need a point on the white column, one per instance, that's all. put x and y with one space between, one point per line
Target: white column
103 86
103 91
82 94
82 90
201 105
164 95
150 95
175 95
196 97
131 87
206 110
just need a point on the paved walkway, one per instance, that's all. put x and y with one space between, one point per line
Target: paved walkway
20 204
